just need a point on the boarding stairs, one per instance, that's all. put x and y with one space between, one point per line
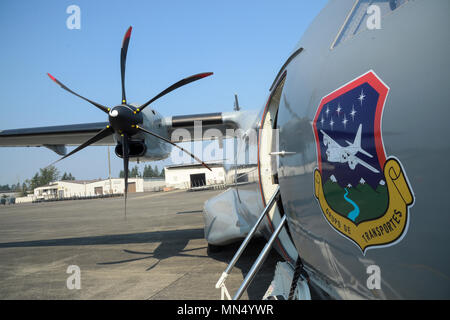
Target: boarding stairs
261 258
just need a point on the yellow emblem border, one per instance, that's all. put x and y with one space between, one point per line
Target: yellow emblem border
384 231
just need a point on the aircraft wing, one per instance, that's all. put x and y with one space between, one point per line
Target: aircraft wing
221 121
70 135
57 137
327 140
365 164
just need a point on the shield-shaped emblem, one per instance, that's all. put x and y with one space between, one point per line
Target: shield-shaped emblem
363 195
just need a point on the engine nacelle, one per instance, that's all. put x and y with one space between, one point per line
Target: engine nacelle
137 148
147 149
144 147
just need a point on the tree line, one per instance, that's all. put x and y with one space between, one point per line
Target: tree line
148 172
46 175
41 178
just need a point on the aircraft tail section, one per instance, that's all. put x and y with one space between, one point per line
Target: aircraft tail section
357 142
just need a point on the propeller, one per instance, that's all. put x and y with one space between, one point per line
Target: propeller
123 60
98 105
126 120
125 154
180 83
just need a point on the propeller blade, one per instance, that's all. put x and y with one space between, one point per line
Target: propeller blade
99 136
176 86
125 154
123 60
103 108
168 141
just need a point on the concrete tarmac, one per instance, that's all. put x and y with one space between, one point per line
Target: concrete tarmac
158 252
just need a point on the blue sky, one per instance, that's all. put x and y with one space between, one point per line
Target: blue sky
243 42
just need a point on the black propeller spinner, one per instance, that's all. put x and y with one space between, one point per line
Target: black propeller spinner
126 120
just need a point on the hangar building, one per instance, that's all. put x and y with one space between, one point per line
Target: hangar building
194 175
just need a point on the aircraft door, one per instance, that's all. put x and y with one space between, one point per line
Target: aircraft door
268 167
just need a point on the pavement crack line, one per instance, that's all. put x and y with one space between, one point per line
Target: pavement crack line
176 280
169 285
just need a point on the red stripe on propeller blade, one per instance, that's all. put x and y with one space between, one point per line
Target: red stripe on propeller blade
52 77
127 35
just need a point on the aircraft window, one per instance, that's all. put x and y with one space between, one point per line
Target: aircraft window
356 20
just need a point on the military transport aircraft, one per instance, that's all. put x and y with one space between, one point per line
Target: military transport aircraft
377 67
337 153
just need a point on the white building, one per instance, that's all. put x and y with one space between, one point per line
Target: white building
176 176
88 188
154 184
194 175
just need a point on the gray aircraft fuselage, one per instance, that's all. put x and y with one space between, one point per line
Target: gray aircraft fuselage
408 58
